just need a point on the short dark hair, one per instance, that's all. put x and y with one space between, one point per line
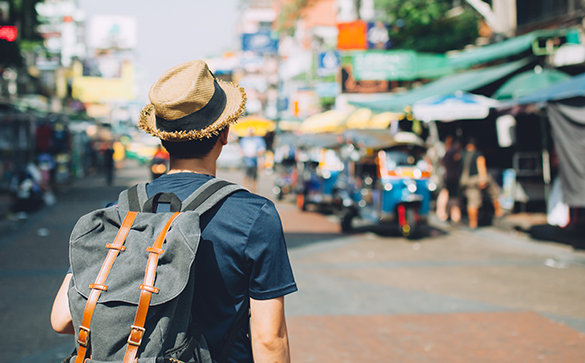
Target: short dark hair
192 149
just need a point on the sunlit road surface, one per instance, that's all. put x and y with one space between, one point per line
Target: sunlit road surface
455 296
371 296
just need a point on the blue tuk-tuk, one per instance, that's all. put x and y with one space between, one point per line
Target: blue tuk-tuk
387 181
319 166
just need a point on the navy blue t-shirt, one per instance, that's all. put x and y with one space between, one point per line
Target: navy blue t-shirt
242 253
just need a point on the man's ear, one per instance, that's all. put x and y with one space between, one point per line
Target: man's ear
223 135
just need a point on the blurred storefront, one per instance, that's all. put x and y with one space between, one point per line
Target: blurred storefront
17 142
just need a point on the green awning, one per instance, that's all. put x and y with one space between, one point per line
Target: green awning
466 82
535 41
529 82
397 65
571 88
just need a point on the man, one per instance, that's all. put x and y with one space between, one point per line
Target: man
242 253
109 164
252 148
474 179
448 201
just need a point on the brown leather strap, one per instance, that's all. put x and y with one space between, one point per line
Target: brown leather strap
99 285
147 287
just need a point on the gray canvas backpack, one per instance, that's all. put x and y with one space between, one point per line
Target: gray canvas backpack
132 288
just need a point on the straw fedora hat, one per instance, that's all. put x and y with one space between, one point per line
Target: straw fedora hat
188 103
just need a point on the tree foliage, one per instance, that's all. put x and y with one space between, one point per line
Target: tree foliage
428 25
290 13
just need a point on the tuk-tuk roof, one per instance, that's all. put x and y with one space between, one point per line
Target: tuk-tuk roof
381 139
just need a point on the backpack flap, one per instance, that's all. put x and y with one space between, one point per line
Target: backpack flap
88 252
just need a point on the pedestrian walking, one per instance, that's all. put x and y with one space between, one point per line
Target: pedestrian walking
448 199
474 180
109 164
253 147
242 259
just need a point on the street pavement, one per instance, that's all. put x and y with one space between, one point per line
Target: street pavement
372 296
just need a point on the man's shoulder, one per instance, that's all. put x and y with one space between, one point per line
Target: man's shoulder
184 184
247 206
249 199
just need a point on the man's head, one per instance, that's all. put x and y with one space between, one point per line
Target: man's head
448 141
471 143
189 108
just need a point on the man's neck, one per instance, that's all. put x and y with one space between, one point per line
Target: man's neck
200 166
204 165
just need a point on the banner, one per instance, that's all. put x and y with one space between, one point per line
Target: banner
398 65
378 36
384 65
328 63
113 31
8 32
261 42
350 85
327 89
352 35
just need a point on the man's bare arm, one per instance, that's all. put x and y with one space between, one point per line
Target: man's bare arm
60 315
268 331
482 171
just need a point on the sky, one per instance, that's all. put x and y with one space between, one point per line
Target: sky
173 31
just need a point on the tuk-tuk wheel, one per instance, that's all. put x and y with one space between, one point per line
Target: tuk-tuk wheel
346 219
411 228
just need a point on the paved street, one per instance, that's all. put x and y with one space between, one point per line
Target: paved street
372 296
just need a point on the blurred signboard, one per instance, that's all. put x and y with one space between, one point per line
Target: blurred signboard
384 65
352 35
8 32
378 36
350 85
260 42
305 103
327 89
113 31
399 65
328 63
252 63
99 90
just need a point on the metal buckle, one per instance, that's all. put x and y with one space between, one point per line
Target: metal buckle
83 338
138 330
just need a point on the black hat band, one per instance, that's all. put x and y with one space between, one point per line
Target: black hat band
199 119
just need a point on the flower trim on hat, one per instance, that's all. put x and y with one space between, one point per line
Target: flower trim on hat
210 131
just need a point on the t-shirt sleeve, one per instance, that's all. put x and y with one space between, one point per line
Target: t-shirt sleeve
271 274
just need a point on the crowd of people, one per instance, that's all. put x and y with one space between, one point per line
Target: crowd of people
465 175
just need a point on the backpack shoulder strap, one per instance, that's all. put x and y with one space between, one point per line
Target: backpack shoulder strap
133 198
209 194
